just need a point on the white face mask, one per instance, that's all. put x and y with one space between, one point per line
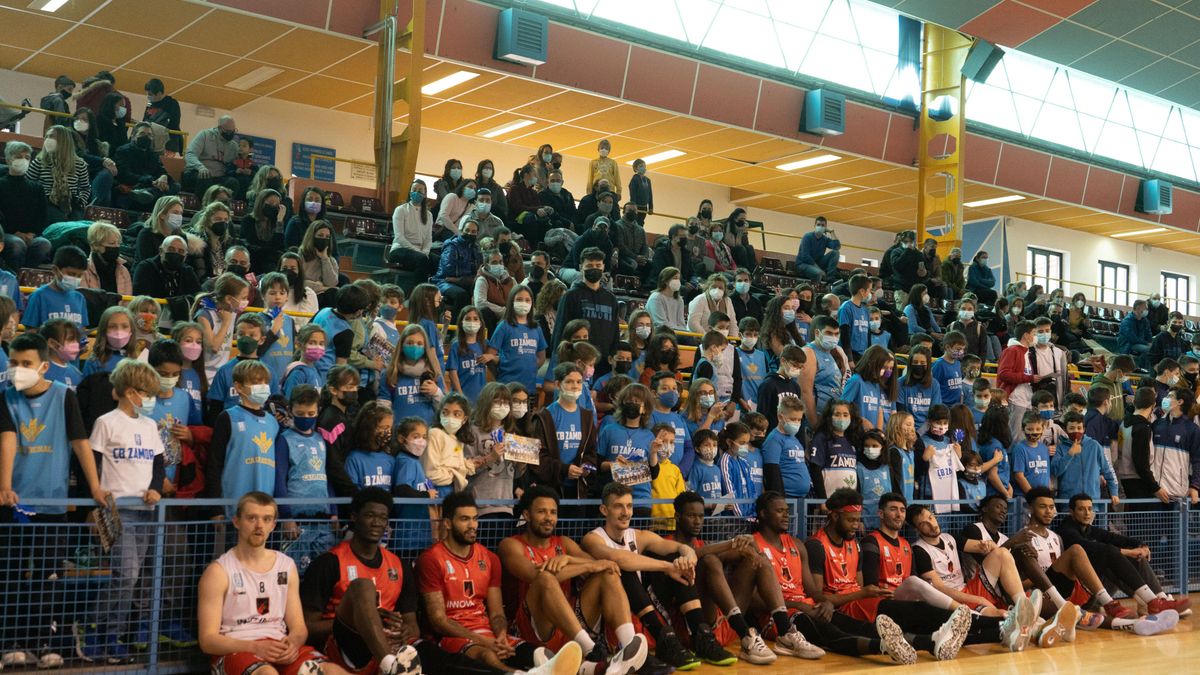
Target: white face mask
604 152
50 145
81 126
500 411
22 378
167 383
19 166
642 332
717 294
451 424
749 342
415 446
674 285
175 220
872 453
470 327
522 308
519 410
486 174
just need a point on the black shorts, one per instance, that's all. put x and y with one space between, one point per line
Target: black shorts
353 648
1062 582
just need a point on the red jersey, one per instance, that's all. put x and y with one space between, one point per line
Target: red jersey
895 561
388 578
788 565
841 564
516 589
463 582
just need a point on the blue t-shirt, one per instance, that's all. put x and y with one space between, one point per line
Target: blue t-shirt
883 338
916 400
517 347
301 373
179 407
684 454
221 388
435 339
705 480
1003 469
858 318
406 399
568 428
873 484
189 380
94 365
755 368
871 400
369 469
949 377
250 454
10 287
618 440
280 353
788 452
472 375
67 374
50 302
300 470
409 471
333 325
1033 462
41 467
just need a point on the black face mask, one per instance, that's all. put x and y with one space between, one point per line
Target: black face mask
234 268
293 277
706 213
622 367
593 275
172 261
681 242
693 230
631 411
219 227
144 143
110 255
469 238
348 398
916 372
228 135
805 305
668 356
537 273
1191 378
65 94
321 244
270 212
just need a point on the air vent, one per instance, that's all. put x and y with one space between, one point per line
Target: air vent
1155 197
824 113
521 37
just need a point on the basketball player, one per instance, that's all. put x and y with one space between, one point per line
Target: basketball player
649 561
1070 572
460 584
250 615
731 575
838 579
360 600
539 567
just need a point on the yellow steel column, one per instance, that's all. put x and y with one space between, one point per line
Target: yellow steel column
396 157
943 133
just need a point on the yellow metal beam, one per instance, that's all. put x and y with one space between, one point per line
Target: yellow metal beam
396 156
943 134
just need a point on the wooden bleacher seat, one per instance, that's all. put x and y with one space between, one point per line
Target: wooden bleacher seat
118 217
190 201
33 276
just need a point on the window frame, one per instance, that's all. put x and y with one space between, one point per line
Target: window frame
1172 298
1031 255
1119 296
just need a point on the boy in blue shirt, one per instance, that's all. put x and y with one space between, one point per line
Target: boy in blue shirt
1030 457
665 389
785 466
947 371
705 477
755 363
300 458
1079 466
853 317
174 410
876 335
981 399
59 299
241 456
62 337
221 392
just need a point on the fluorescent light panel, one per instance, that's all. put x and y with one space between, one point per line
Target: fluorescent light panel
995 200
254 78
663 156
822 193
506 128
448 82
47 5
807 162
1135 233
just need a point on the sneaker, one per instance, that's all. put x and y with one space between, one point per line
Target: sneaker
1063 624
948 639
754 650
174 634
653 666
404 662
565 662
1118 611
793 643
891 640
711 651
1087 621
1014 629
672 651
48 660
629 658
1035 599
1159 605
1156 623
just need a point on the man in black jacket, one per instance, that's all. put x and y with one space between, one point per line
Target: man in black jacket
559 198
1128 560
596 237
672 251
908 267
139 167
166 276
587 299
164 110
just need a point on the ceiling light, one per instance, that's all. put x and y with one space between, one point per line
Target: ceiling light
1135 233
448 82
254 78
663 156
822 193
47 5
995 200
805 163
506 128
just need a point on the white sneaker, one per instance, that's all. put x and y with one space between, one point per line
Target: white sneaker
1035 599
754 650
793 643
891 640
948 639
1157 623
541 656
406 661
50 660
1015 631
629 658
1062 629
565 662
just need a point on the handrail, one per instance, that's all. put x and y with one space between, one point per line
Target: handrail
55 113
312 163
1068 282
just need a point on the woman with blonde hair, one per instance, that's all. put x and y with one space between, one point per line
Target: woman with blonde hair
714 297
165 220
62 174
106 268
209 236
262 230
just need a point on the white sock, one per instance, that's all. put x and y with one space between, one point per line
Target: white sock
625 633
1055 597
1163 595
585 641
587 668
1104 597
1144 594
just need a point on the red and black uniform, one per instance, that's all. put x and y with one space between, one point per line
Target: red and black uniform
325 584
840 566
516 591
724 633
464 584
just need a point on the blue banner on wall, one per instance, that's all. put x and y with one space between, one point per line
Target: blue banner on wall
301 159
264 149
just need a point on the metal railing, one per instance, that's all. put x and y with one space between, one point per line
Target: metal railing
55 113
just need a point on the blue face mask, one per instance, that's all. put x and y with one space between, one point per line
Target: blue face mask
828 342
743 451
789 315
304 424
387 312
1046 414
741 287
840 423
669 398
791 428
416 197
259 393
147 406
413 352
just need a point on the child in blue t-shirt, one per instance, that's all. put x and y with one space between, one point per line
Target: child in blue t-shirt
310 347
409 482
467 358
785 463
704 478
1030 456
624 446
9 286
874 476
947 371
59 299
301 460
222 393
113 341
410 384
371 462
971 484
518 341
174 410
62 337
876 335
282 351
241 457
755 363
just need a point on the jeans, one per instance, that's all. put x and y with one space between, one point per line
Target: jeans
826 267
191 179
128 552
102 187
18 254
410 259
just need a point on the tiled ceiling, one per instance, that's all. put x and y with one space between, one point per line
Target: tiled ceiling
1152 46
174 40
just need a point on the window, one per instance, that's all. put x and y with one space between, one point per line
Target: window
1177 292
1114 283
1045 267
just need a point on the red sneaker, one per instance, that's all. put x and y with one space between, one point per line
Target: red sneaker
1161 604
1118 611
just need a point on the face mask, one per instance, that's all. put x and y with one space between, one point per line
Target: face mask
470 327
642 332
387 312
1046 414
259 393
828 342
555 187
604 152
916 372
789 315
875 325
1165 404
348 398
175 220
707 453
965 315
631 410
957 354
304 424
791 428
455 174
519 410
382 439
314 353
1155 303
69 352
743 451
983 262
468 194
19 166
717 294
723 331
1191 377
485 173
570 395
841 423
972 373
749 342
593 275
622 367
794 372
982 403
23 378
70 283
707 401
500 411
971 476
497 270
1033 437
81 126
172 261
414 352
1016 311
50 145
270 212
674 285
117 339
451 424
718 236
1043 338
416 446
706 213
938 431
1175 328
247 346
742 287
227 135
191 350
522 308
668 399
872 453
146 407
604 207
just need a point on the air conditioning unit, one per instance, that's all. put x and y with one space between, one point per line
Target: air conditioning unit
521 37
824 113
1154 198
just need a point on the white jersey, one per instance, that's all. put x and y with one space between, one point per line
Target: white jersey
987 536
255 603
943 479
628 541
946 563
1048 548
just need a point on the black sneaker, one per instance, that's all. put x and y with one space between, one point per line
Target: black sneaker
709 650
599 653
671 650
653 666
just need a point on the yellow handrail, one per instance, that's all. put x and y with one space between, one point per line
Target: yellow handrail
312 163
1094 287
55 113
